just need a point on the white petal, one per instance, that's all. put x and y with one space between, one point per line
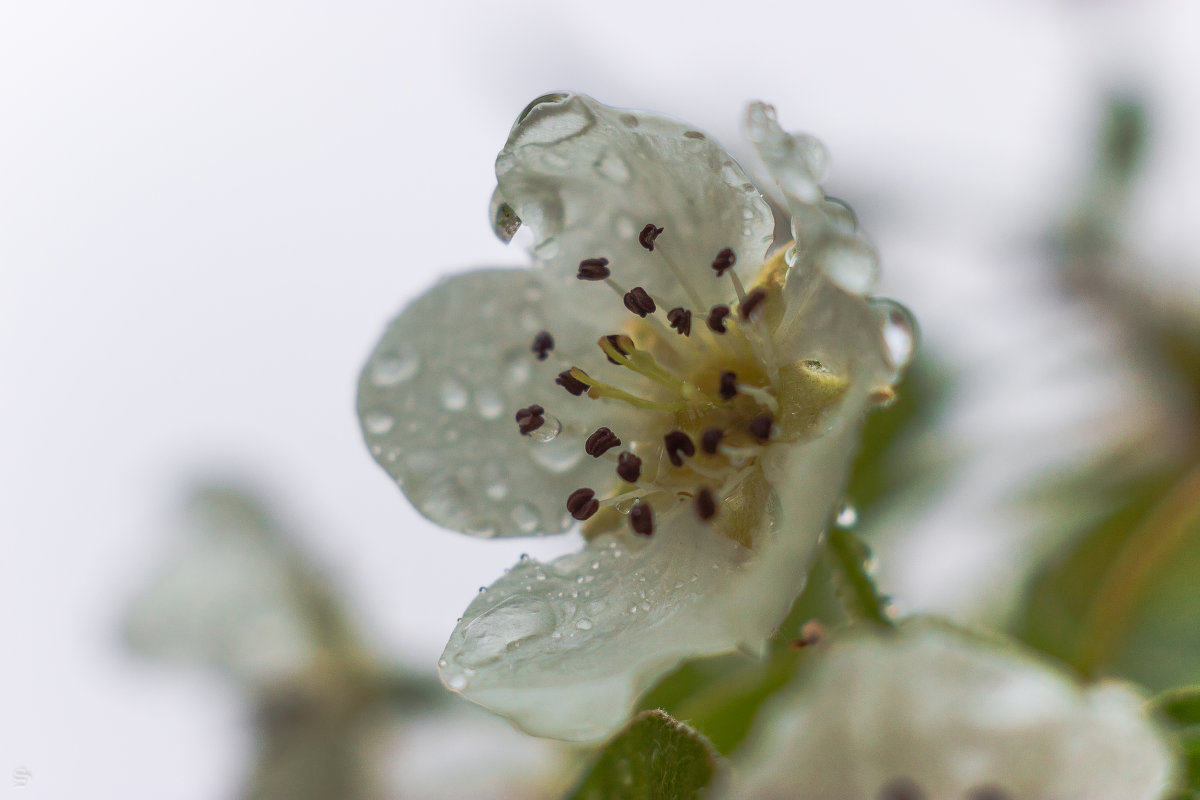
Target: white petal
566 648
437 400
587 178
824 229
951 712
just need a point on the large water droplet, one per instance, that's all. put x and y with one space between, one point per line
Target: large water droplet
548 432
394 368
899 331
454 395
458 681
583 624
519 619
851 262
525 517
378 422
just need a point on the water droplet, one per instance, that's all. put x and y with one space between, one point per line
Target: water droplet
645 606
840 215
526 518
394 368
549 431
442 663
847 515
516 372
624 226
583 624
481 528
458 681
454 395
494 485
378 423
850 262
613 167
506 625
899 331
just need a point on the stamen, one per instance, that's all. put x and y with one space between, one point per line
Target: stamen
751 303
639 302
582 503
616 345
724 260
648 235
593 269
710 440
716 318
530 419
629 467
543 343
706 504
678 445
571 383
601 442
641 518
760 427
681 320
763 396
729 385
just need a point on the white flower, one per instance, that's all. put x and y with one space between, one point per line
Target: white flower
707 404
935 713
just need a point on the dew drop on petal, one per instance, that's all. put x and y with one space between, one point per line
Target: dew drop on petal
583 624
526 518
458 681
847 515
519 618
378 423
899 331
613 167
395 368
517 369
852 263
454 395
548 432
488 403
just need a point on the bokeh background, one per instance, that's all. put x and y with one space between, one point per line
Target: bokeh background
208 212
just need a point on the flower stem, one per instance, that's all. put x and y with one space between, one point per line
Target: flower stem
848 560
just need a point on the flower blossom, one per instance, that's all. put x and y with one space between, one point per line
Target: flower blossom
932 712
658 379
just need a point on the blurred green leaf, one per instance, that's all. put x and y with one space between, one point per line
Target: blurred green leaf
1179 710
1122 599
653 758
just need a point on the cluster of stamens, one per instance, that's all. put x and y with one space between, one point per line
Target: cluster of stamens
715 396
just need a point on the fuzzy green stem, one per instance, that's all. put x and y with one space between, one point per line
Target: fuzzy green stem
848 557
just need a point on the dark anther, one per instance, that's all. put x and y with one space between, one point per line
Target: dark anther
681 320
571 383
648 235
629 467
678 445
593 269
724 260
641 518
900 789
811 633
543 343
530 419
728 389
706 504
601 442
582 503
760 427
619 343
640 303
711 439
716 318
752 302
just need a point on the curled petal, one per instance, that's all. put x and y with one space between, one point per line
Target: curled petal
948 714
437 400
588 179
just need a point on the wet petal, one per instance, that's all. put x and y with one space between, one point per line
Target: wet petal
566 648
588 178
950 713
437 400
825 229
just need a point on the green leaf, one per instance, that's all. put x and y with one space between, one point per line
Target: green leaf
653 758
1179 710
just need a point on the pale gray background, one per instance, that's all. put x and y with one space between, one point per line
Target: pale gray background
209 210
